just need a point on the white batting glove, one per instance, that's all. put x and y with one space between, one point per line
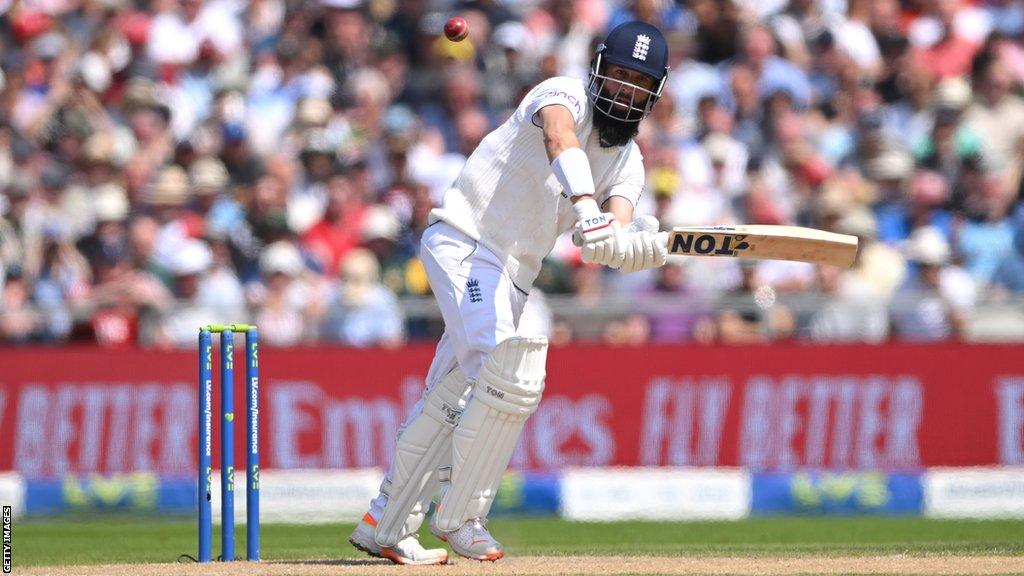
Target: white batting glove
646 248
599 235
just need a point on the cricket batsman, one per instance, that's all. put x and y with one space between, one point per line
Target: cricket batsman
565 160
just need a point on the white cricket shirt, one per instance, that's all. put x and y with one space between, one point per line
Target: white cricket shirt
507 197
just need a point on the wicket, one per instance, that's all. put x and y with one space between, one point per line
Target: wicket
227 440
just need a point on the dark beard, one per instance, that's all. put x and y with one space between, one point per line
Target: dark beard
612 132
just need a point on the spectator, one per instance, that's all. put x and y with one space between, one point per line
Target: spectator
951 141
1009 275
664 14
937 300
878 266
675 321
718 26
509 67
462 93
587 293
692 81
891 170
167 197
149 120
946 40
362 312
929 195
330 240
633 330
775 75
1006 17
348 36
285 308
752 314
282 137
663 183
564 29
244 167
998 114
306 205
221 289
714 173
943 18
62 284
803 26
179 33
380 235
20 323
987 236
176 326
13 207
850 312
909 117
120 294
220 212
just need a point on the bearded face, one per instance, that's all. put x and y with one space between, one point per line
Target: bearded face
622 98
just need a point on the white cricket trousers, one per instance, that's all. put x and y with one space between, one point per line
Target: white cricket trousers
479 304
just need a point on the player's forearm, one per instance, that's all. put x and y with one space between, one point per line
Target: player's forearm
558 141
559 130
621 208
568 161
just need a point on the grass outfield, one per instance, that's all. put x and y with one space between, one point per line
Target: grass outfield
132 540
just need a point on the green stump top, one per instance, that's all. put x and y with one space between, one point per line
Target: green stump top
229 327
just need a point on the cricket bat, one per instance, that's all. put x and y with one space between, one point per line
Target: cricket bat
765 242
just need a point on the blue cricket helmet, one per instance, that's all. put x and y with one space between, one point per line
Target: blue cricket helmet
638 46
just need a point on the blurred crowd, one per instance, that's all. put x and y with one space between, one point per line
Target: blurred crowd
170 163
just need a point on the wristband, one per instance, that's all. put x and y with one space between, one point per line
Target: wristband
572 169
587 210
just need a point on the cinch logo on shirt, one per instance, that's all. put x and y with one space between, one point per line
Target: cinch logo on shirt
562 94
643 44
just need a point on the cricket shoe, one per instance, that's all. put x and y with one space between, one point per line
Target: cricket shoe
471 540
407 551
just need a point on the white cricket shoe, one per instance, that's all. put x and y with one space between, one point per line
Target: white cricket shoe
407 551
471 540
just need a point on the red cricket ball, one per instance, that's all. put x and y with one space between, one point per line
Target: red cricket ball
456 29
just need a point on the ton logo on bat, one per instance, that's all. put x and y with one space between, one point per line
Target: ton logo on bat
707 244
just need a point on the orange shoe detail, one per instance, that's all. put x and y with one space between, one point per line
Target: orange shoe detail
391 555
494 556
369 519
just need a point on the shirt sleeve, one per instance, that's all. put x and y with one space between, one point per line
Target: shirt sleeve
631 179
567 92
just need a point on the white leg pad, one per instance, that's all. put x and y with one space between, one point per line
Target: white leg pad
507 391
423 446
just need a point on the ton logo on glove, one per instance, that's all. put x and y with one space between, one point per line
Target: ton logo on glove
591 224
